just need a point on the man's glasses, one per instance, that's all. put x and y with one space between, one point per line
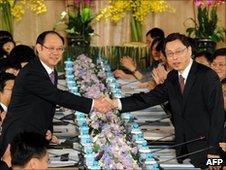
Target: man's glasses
177 52
52 49
222 65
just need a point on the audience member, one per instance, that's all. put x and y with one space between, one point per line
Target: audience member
6 87
219 63
22 54
129 64
6 65
7 45
204 58
152 34
28 151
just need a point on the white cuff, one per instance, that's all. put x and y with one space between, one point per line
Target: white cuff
119 104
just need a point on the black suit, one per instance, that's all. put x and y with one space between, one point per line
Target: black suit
33 103
197 112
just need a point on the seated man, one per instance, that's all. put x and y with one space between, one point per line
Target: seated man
6 86
22 54
28 150
6 65
204 58
219 63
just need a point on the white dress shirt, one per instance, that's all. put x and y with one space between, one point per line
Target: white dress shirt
4 107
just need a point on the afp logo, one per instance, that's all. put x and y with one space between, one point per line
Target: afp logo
214 161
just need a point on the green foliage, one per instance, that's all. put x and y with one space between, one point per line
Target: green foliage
79 24
206 27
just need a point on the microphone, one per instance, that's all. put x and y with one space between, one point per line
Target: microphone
180 144
154 141
154 121
64 121
185 155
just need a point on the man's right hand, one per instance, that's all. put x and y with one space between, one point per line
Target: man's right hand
7 156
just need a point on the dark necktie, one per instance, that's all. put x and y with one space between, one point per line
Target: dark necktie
181 82
52 77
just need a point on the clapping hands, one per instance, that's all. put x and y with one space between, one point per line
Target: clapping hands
104 104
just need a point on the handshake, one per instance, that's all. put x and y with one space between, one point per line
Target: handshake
104 104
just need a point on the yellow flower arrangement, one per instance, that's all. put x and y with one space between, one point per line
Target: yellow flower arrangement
16 8
139 9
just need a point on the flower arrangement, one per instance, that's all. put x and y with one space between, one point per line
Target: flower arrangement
206 24
114 151
139 10
15 9
78 21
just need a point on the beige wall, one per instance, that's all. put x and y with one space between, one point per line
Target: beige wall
31 25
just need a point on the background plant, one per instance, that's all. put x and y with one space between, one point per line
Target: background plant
206 24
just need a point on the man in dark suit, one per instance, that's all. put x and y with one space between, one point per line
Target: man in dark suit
35 93
195 94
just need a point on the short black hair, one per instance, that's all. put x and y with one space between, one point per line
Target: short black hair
223 81
42 36
177 36
159 43
6 63
4 77
22 53
206 54
221 52
27 145
156 33
5 34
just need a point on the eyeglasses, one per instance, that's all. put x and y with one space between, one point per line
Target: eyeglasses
177 52
218 64
52 49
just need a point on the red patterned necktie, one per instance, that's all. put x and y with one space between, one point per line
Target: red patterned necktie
52 77
181 82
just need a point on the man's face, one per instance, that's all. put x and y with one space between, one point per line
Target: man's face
149 41
178 55
224 93
51 51
219 65
5 95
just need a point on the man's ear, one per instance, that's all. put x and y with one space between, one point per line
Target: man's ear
38 48
190 50
33 164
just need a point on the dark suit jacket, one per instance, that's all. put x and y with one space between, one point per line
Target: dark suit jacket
33 102
198 112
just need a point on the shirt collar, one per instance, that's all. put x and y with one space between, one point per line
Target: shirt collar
185 72
3 106
47 68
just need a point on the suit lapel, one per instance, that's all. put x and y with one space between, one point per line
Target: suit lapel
189 82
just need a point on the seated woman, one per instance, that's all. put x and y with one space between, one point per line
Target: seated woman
7 44
130 65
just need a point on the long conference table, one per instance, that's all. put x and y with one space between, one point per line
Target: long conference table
154 122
